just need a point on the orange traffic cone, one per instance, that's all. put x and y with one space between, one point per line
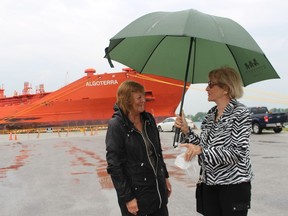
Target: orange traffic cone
15 137
10 137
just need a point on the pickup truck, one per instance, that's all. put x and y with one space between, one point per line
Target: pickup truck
263 119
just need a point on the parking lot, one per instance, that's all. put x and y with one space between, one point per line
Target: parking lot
66 175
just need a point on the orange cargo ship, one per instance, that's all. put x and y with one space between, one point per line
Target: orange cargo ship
87 101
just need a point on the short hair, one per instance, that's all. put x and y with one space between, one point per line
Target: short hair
124 94
227 76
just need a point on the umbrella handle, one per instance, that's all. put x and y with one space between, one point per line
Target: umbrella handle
176 138
178 130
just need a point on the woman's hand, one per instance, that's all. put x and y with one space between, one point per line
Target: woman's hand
169 187
191 151
132 206
181 123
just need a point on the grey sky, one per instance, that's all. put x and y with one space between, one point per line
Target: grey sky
54 41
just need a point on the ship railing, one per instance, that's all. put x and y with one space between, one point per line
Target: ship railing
59 131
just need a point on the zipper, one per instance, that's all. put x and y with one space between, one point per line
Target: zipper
155 171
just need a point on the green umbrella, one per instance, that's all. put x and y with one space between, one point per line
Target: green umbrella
186 45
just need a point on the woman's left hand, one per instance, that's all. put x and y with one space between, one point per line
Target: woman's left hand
169 187
191 151
180 122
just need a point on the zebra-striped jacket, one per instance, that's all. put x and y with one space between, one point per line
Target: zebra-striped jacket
225 145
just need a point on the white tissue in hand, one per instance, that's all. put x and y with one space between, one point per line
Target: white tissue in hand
181 162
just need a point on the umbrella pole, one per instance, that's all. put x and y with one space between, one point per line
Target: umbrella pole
177 131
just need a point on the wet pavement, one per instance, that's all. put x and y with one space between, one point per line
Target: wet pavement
58 174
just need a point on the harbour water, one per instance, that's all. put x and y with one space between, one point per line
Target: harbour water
64 174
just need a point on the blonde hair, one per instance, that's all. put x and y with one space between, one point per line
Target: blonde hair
228 79
124 94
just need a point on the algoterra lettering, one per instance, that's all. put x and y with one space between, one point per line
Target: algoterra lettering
102 82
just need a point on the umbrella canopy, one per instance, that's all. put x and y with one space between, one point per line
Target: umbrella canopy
172 43
187 45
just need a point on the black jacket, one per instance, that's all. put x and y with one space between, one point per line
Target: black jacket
131 171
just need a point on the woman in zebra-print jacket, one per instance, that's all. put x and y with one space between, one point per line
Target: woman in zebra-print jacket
222 147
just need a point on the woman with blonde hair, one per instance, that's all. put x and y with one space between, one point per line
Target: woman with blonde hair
222 148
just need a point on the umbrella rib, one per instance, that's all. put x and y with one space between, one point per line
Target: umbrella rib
194 59
147 60
236 63
108 50
108 57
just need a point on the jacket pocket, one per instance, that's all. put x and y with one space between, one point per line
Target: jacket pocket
147 199
241 206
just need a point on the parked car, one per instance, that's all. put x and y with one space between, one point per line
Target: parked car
168 124
263 119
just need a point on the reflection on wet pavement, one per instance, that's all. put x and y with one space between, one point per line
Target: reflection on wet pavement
67 176
19 159
88 162
90 159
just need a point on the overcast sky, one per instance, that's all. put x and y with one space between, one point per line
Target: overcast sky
54 41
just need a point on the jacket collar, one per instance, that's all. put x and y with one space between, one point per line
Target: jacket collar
118 113
229 108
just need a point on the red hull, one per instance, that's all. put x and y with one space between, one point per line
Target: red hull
88 101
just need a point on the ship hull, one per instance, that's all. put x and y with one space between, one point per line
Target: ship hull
89 101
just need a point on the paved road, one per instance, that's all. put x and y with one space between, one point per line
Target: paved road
65 175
